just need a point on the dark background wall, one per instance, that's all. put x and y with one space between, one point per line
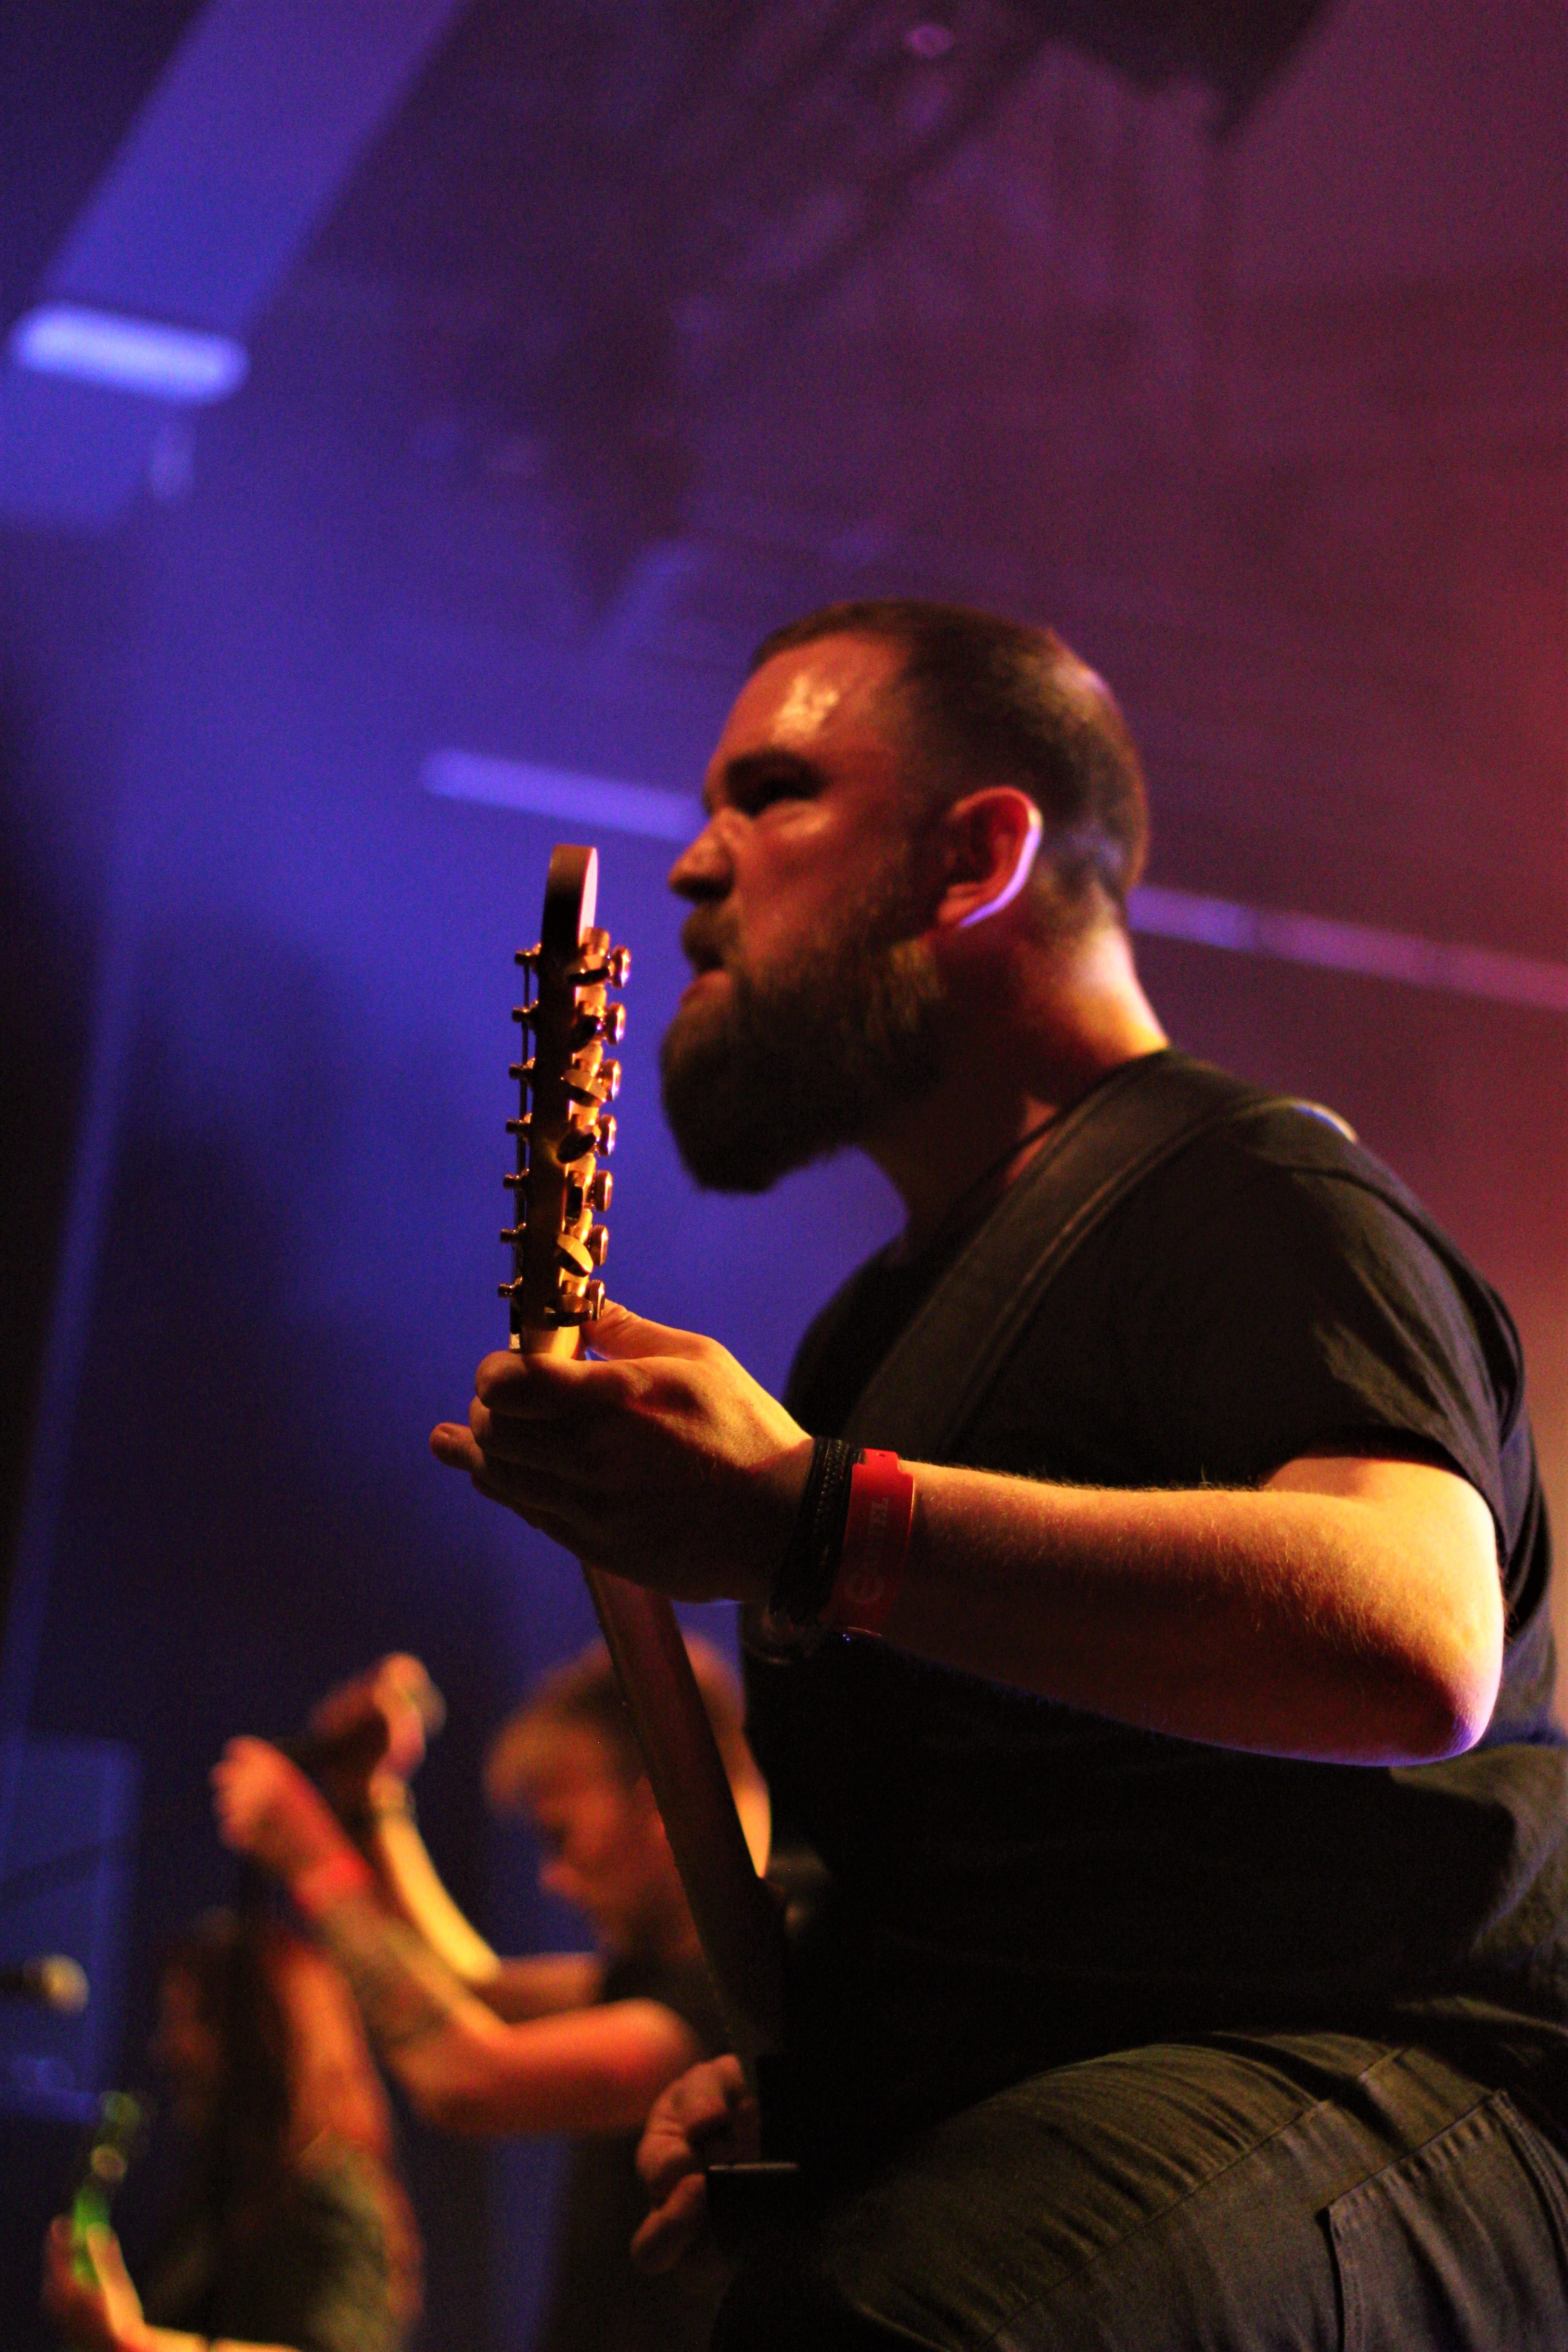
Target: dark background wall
1274 431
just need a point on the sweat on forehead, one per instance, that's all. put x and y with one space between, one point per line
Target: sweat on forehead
838 676
809 702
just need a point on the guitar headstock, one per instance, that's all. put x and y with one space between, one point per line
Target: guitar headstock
563 1125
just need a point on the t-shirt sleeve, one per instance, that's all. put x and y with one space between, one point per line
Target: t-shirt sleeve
1291 1307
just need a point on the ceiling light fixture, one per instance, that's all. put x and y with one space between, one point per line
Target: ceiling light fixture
140 356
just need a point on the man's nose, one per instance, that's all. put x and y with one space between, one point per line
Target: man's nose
703 869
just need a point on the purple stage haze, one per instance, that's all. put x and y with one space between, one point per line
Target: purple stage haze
580 356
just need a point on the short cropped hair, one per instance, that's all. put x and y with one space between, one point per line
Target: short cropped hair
584 1695
995 702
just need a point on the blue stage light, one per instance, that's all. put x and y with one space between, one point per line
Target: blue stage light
1359 947
587 801
140 356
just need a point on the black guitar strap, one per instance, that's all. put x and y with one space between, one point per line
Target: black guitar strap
937 1374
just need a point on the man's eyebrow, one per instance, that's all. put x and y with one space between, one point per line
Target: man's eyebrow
757 767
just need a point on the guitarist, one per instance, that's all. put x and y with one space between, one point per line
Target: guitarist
576 2042
1177 1738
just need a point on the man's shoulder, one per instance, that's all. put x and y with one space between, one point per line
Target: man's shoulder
1280 1155
1241 1145
1237 1123
1290 1175
1283 1201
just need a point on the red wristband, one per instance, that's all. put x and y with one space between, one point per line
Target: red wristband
318 1889
876 1544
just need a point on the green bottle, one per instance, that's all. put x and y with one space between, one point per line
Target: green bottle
104 2167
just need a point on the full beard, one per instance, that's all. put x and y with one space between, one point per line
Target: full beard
791 1066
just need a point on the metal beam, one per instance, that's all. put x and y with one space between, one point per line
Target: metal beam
261 115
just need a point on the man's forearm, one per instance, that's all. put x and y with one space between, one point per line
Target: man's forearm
596 2068
538 1986
405 1991
1346 1610
543 1984
415 1890
452 2055
1360 1625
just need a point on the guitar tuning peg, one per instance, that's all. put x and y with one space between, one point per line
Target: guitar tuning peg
607 1081
521 1124
598 1241
606 1135
509 1289
609 1024
525 1012
600 1189
516 1180
512 1234
526 956
618 967
592 1301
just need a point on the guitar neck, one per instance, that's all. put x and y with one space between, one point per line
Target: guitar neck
562 1125
737 1922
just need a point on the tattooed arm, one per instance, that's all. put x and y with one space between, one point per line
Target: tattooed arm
536 1986
592 2069
374 1731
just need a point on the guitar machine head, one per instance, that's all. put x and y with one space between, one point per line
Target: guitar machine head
563 1125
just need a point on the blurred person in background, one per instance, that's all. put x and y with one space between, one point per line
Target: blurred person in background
293 2228
579 2041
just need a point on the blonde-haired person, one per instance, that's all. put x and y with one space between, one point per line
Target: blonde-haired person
579 2041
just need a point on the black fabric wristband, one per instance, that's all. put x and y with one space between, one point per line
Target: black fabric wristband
810 1565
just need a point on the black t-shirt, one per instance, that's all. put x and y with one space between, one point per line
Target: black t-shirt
598 2302
319 2276
1015 1883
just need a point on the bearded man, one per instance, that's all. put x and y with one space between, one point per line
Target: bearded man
1178 1745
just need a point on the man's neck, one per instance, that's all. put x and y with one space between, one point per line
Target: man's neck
1070 1018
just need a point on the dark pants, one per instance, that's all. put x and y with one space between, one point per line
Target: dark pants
1284 2191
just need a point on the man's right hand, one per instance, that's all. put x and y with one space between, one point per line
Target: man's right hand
707 2115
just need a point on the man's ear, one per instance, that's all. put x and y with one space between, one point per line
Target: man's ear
990 839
